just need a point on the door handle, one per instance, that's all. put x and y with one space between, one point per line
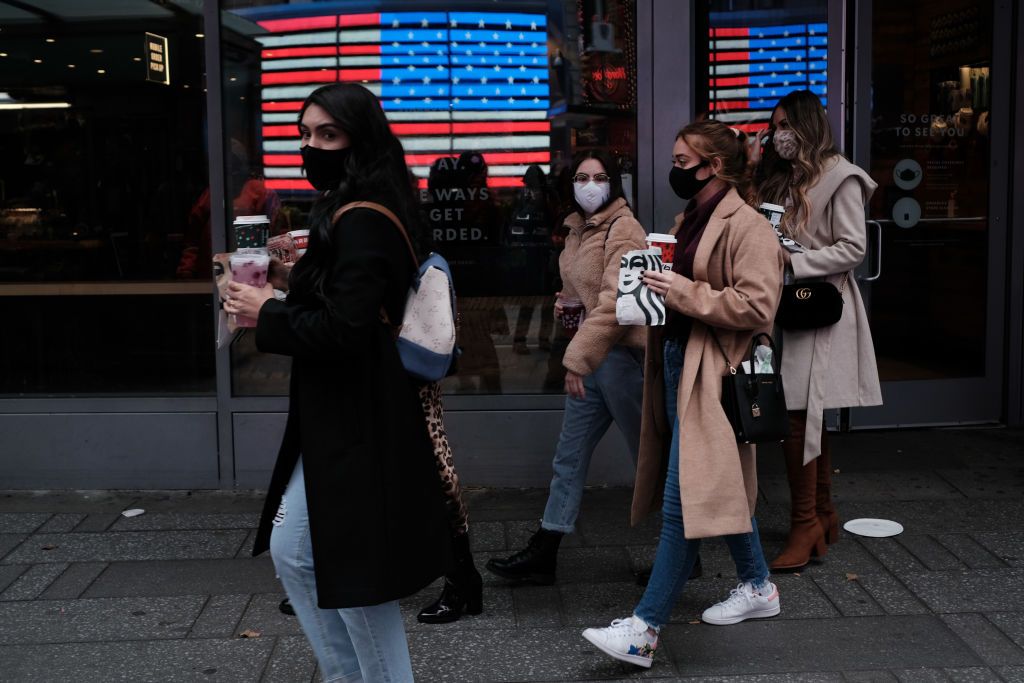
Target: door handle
875 270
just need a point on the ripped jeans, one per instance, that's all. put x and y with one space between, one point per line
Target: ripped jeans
351 644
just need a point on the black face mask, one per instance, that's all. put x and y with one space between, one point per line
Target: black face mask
325 168
684 181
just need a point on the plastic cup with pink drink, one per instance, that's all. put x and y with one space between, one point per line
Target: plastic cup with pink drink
667 243
249 266
572 312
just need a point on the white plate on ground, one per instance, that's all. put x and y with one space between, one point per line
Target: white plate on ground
875 528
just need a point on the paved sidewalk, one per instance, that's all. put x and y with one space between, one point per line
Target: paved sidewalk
89 595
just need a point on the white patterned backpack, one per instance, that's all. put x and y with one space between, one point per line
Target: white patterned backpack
426 336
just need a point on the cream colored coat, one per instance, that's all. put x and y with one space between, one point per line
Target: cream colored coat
832 367
737 281
589 266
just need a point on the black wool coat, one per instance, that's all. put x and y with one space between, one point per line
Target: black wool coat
376 505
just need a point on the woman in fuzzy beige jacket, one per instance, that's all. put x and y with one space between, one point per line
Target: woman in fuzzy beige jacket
828 367
725 283
603 362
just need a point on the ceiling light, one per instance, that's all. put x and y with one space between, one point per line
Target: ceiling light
101 71
136 59
200 35
71 66
51 40
3 54
96 51
38 61
233 79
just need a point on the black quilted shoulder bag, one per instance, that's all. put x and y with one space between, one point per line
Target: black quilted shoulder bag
810 305
754 402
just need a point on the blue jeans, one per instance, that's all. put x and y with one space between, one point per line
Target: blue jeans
677 555
351 644
614 391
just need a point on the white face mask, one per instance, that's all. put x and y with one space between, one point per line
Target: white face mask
591 196
786 144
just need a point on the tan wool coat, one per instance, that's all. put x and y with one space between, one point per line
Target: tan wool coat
832 367
735 289
589 266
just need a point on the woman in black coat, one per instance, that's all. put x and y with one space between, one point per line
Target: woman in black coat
354 517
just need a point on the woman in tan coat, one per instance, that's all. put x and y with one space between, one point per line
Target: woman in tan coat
603 362
725 282
829 367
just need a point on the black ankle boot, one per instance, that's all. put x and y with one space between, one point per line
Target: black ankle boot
463 588
536 562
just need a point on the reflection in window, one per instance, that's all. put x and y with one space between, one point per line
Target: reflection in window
490 107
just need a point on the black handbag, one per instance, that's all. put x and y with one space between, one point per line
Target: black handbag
754 402
810 305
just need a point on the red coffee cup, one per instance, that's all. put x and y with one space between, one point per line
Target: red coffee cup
667 243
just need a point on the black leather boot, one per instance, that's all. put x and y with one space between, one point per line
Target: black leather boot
536 562
463 588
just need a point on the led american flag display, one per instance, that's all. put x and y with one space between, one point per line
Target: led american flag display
449 82
751 68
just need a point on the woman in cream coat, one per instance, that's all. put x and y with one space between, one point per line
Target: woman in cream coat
828 367
726 279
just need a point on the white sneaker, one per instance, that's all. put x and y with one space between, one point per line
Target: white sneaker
744 603
627 640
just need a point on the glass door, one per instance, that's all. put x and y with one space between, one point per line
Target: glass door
923 127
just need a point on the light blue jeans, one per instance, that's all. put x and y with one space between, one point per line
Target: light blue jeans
677 555
351 644
614 391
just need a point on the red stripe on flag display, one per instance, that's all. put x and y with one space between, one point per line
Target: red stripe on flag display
348 20
492 158
285 131
730 32
729 56
287 184
300 24
421 128
421 183
723 82
355 75
282 160
502 127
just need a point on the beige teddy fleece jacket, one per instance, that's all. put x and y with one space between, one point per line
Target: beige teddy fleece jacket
589 266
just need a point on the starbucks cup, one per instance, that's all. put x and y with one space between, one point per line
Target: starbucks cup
301 239
667 243
773 212
249 266
251 232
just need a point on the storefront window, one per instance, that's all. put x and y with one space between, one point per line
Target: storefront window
102 213
490 107
758 52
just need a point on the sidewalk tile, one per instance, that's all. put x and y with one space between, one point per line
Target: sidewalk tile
219 617
21 522
987 482
970 552
98 522
829 677
62 621
61 523
911 485
524 655
593 565
892 595
486 536
33 582
1006 545
186 577
973 675
870 677
233 661
981 590
818 644
1010 623
291 661
848 555
993 646
892 555
498 612
74 581
245 551
596 604
181 521
848 596
115 546
9 542
538 606
519 533
10 572
1011 674
605 530
930 552
922 675
262 614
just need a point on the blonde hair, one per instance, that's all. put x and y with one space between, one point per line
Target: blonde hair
714 140
777 179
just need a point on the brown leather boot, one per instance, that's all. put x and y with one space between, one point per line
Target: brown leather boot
806 537
827 515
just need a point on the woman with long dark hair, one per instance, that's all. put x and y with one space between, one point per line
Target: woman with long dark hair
603 362
723 288
354 516
830 367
